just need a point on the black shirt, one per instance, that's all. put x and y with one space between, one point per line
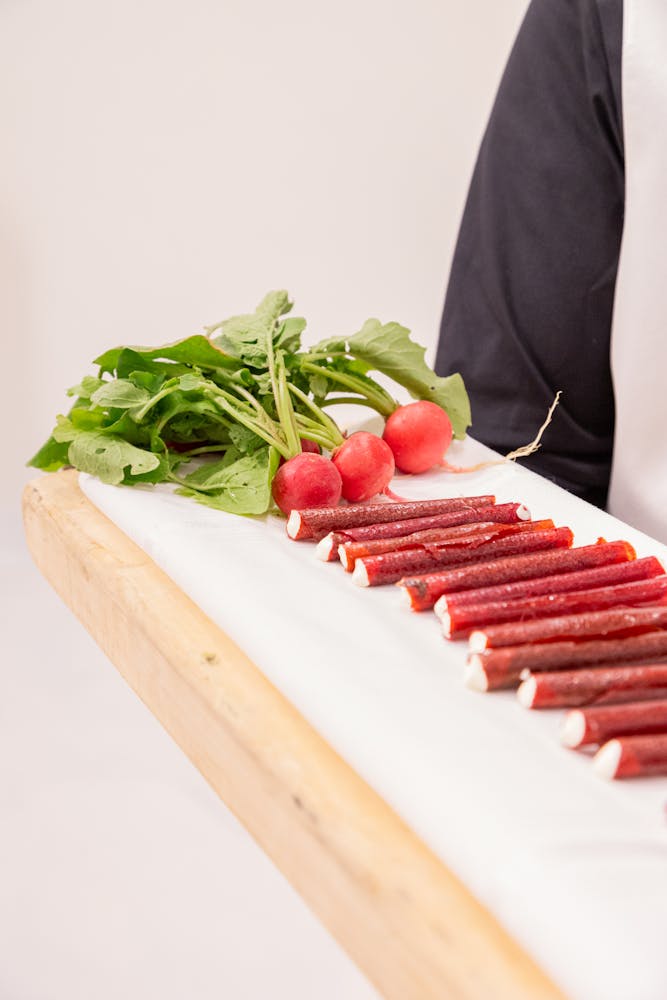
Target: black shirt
529 303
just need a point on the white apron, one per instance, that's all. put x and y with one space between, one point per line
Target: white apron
638 491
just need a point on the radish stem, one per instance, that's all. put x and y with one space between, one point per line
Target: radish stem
378 398
356 400
325 421
281 396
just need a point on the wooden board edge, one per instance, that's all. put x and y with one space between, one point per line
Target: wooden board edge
403 917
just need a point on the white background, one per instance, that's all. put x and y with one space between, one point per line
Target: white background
163 165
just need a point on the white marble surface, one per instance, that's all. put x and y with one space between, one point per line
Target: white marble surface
574 867
121 872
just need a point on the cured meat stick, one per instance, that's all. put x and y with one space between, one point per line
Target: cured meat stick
371 571
349 552
328 548
583 726
505 513
458 622
421 592
631 757
593 686
590 625
315 522
560 583
502 668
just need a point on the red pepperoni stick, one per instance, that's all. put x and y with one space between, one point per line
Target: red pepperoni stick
583 726
591 625
315 522
505 513
349 552
459 622
339 541
371 571
594 686
328 548
587 579
422 592
502 668
632 757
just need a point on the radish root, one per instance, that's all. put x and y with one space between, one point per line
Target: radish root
523 452
395 497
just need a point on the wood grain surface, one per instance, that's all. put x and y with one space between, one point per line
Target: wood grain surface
406 920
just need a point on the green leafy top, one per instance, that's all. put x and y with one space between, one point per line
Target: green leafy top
227 406
388 348
197 351
240 486
247 337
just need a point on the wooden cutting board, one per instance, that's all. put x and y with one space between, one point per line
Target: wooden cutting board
406 920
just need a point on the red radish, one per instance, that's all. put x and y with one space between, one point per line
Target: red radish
365 464
306 446
306 480
418 434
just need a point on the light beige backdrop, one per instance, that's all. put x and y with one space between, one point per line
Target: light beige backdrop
165 163
161 165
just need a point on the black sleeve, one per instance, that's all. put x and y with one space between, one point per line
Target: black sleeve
529 302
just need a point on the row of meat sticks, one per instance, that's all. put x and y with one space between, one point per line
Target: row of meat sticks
583 628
